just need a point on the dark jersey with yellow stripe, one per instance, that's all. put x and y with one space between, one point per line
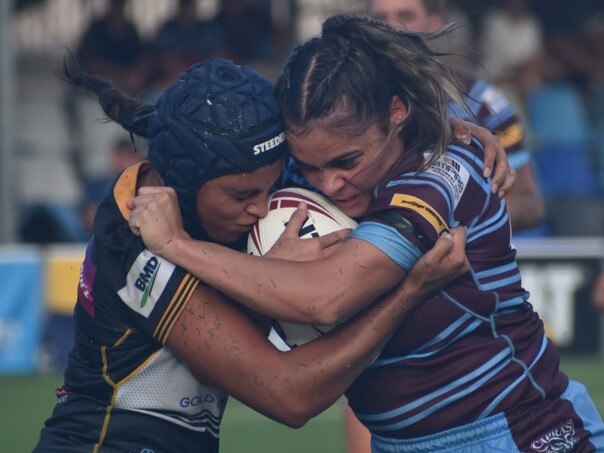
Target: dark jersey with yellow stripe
128 302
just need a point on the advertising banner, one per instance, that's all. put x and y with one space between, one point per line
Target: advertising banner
560 273
21 307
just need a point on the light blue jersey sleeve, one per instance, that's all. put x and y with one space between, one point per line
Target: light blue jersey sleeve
386 238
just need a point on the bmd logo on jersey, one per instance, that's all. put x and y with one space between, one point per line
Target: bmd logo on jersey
146 281
269 144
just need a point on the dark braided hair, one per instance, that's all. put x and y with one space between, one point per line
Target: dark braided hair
347 77
130 113
216 119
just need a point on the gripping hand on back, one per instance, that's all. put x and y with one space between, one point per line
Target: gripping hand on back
155 216
442 264
494 155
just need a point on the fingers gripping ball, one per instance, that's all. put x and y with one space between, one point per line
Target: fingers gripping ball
323 218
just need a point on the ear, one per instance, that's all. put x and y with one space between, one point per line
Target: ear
398 112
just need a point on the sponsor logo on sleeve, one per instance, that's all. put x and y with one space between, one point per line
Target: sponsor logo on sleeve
145 282
422 208
453 173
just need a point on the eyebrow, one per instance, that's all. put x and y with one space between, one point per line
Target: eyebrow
347 155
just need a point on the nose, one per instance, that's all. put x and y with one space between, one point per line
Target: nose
330 182
258 206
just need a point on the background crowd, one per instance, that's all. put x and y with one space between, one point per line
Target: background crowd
547 56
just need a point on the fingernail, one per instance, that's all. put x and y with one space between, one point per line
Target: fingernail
446 235
487 172
494 188
501 194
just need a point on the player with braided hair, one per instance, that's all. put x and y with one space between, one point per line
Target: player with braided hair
156 350
471 370
487 106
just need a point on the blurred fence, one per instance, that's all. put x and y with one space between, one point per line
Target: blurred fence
40 286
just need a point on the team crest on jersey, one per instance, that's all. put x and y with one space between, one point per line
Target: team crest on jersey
453 173
145 282
559 440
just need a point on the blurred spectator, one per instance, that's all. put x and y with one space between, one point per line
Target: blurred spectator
182 40
597 295
428 16
548 59
248 31
46 186
463 54
574 39
489 107
512 48
111 47
123 155
50 223
511 42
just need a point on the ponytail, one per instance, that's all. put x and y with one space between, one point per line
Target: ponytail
130 113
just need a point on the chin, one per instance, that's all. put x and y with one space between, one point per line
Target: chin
359 209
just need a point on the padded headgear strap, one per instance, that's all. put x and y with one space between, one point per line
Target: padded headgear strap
216 119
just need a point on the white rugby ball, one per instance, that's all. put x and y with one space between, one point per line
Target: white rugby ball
323 218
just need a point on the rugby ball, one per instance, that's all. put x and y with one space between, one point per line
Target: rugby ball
323 218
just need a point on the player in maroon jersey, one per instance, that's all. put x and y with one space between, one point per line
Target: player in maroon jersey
488 106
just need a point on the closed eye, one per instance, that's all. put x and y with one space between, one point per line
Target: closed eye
244 194
345 163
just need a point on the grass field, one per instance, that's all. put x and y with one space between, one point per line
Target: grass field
28 400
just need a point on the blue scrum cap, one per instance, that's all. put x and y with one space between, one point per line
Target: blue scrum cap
216 119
